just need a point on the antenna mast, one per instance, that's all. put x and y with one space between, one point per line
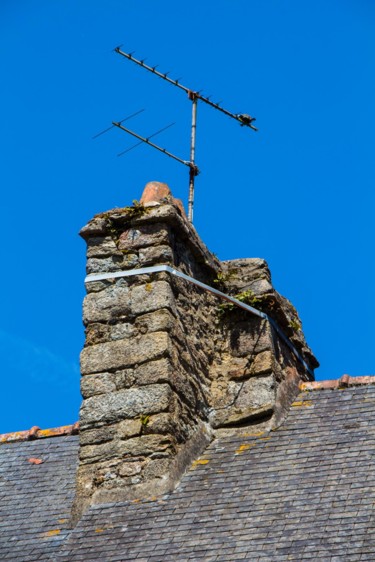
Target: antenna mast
244 119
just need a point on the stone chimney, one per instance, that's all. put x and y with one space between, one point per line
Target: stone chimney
167 363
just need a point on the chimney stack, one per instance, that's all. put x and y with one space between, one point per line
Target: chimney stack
166 362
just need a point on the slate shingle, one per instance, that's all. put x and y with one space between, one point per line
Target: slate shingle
36 499
303 492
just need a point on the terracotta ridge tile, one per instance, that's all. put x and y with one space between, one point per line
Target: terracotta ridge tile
344 382
36 433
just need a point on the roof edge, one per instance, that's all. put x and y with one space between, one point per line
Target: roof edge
343 382
37 433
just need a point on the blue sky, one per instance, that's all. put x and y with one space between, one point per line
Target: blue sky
299 193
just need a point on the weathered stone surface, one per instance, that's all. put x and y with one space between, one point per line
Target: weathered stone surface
256 392
96 436
156 255
94 453
145 445
159 321
110 304
125 378
262 363
131 468
100 383
128 403
114 263
156 468
160 362
223 393
161 423
229 367
143 236
123 331
124 353
96 227
248 337
100 246
151 296
169 214
240 416
97 286
180 206
129 428
242 273
97 333
153 372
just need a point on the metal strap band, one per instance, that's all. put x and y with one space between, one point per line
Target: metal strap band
159 268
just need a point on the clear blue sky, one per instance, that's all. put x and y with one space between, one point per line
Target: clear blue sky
299 193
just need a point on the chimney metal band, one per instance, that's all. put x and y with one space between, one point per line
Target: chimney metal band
159 268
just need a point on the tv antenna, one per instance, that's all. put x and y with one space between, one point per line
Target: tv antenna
244 119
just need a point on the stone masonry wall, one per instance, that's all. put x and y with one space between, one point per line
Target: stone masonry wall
165 362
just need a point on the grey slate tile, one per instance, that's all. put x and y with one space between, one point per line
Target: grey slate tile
306 492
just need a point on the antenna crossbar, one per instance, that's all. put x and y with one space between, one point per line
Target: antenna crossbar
245 120
163 150
122 120
141 142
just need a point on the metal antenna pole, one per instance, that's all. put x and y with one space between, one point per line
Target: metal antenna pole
244 119
193 169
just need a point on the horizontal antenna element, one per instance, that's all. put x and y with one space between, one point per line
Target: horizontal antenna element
145 140
244 119
165 76
122 121
148 138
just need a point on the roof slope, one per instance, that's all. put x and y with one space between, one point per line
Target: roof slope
35 499
303 492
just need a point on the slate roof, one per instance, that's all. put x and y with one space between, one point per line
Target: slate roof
303 492
35 499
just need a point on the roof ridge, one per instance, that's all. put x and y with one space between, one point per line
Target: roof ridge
36 433
343 382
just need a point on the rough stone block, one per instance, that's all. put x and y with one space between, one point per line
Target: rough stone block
129 428
145 445
240 273
97 333
114 263
156 255
153 372
130 468
262 363
239 416
125 378
251 336
143 236
96 436
128 403
93 453
111 303
256 392
100 383
156 468
161 423
97 286
100 246
158 321
122 331
151 296
123 353
96 227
